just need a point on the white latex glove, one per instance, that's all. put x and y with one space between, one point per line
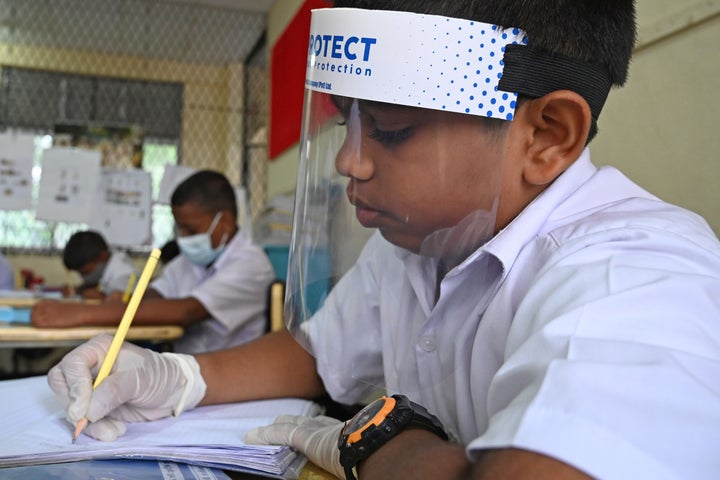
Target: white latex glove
316 437
143 385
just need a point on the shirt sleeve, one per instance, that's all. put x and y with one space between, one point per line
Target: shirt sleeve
237 291
168 283
345 333
613 366
118 273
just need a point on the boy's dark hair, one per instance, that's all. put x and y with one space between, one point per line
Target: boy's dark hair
208 189
82 248
600 33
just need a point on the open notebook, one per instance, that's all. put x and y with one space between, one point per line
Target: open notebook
35 432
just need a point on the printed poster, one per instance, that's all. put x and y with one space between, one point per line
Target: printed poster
69 184
124 205
17 153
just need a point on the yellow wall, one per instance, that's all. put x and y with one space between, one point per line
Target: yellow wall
660 129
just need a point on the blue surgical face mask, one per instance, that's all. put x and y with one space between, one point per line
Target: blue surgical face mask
93 278
198 248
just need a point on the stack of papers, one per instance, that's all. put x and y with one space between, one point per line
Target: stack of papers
35 432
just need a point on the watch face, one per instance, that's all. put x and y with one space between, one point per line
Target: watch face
365 415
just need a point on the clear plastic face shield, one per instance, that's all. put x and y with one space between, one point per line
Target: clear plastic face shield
396 142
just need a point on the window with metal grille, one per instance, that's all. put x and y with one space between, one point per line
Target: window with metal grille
37 101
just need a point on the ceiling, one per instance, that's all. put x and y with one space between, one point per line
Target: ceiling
249 5
213 32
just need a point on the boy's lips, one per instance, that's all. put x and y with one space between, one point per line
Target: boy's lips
366 215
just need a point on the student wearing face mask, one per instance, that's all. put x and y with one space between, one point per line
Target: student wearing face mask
105 273
216 288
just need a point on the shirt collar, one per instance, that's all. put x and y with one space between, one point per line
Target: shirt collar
508 243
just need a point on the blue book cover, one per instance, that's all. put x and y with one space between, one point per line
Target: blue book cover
115 470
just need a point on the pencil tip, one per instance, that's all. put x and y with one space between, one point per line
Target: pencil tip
79 428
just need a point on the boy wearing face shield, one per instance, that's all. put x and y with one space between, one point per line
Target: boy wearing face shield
105 273
555 318
216 288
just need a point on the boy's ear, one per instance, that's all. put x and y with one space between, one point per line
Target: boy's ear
557 127
228 219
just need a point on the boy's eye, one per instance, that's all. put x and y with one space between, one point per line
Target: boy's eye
391 138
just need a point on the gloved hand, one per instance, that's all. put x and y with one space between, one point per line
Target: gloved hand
143 385
316 437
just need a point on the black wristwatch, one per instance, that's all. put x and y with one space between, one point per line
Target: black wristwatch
377 423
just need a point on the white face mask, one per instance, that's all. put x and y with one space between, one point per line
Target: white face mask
198 248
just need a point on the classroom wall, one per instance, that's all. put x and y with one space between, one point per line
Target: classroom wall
211 119
660 129
210 105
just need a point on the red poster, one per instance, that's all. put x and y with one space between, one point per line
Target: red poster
287 79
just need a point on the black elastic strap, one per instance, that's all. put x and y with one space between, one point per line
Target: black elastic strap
535 74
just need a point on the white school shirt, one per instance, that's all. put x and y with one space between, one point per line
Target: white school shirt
587 330
117 273
233 290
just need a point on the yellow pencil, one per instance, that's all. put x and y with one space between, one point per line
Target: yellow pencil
129 288
122 330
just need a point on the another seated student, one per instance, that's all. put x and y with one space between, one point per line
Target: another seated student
216 288
558 320
105 273
7 274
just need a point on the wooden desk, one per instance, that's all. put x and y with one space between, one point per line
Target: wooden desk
23 336
28 302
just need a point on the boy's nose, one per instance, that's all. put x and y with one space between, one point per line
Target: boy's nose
353 161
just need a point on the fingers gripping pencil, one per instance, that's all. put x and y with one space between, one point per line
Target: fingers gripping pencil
122 330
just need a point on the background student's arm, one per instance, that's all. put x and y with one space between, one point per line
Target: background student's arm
416 453
153 310
273 366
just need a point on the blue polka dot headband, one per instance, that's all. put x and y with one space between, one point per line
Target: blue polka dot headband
440 63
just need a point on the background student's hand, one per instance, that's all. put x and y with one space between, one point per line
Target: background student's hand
143 385
114 297
316 437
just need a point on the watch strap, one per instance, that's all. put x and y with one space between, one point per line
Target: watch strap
406 414
423 419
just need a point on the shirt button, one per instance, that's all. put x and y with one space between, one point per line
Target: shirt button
427 344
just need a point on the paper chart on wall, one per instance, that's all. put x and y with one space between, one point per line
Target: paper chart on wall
17 152
122 211
68 185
